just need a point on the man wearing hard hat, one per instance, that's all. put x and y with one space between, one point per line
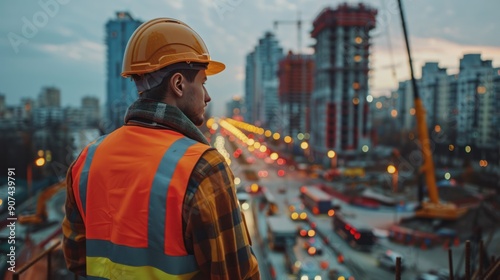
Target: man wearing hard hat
153 200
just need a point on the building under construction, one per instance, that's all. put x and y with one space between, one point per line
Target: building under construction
340 120
295 74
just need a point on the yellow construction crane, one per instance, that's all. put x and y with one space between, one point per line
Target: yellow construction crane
40 216
433 208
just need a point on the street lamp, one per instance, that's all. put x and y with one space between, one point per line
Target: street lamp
333 158
39 162
391 169
305 146
288 141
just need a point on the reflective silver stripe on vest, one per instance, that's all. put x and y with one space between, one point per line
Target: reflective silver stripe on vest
84 175
159 190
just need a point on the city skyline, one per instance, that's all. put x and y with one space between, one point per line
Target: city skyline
66 46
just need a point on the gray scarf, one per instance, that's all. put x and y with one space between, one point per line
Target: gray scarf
157 114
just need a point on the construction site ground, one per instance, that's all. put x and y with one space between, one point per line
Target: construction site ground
481 220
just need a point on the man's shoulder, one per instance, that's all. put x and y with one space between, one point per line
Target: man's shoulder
211 157
210 173
212 166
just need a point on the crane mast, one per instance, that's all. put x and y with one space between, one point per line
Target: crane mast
303 106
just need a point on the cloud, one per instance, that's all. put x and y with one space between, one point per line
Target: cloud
449 53
430 49
275 6
74 39
239 73
176 4
64 31
83 50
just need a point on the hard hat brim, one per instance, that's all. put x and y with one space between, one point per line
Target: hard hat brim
214 67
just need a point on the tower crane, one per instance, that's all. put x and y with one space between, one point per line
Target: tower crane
303 107
298 22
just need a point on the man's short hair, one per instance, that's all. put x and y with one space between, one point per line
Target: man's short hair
159 92
155 85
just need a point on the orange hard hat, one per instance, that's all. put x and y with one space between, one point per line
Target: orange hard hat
161 42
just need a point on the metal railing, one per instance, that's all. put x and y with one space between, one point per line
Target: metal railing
48 253
489 273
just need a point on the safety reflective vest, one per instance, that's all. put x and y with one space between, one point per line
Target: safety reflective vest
129 187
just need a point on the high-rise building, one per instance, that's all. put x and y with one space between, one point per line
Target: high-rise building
17 116
476 98
49 97
3 106
48 111
403 104
460 110
295 87
234 108
91 112
451 123
495 121
435 94
340 120
261 82
48 116
74 117
28 107
250 87
383 105
120 92
384 124
435 89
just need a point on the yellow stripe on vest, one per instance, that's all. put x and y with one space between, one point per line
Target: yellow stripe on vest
107 269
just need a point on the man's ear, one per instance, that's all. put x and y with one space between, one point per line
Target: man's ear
176 84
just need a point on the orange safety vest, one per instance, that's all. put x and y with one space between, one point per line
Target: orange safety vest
125 183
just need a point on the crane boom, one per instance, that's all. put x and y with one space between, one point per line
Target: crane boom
434 208
298 22
40 216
